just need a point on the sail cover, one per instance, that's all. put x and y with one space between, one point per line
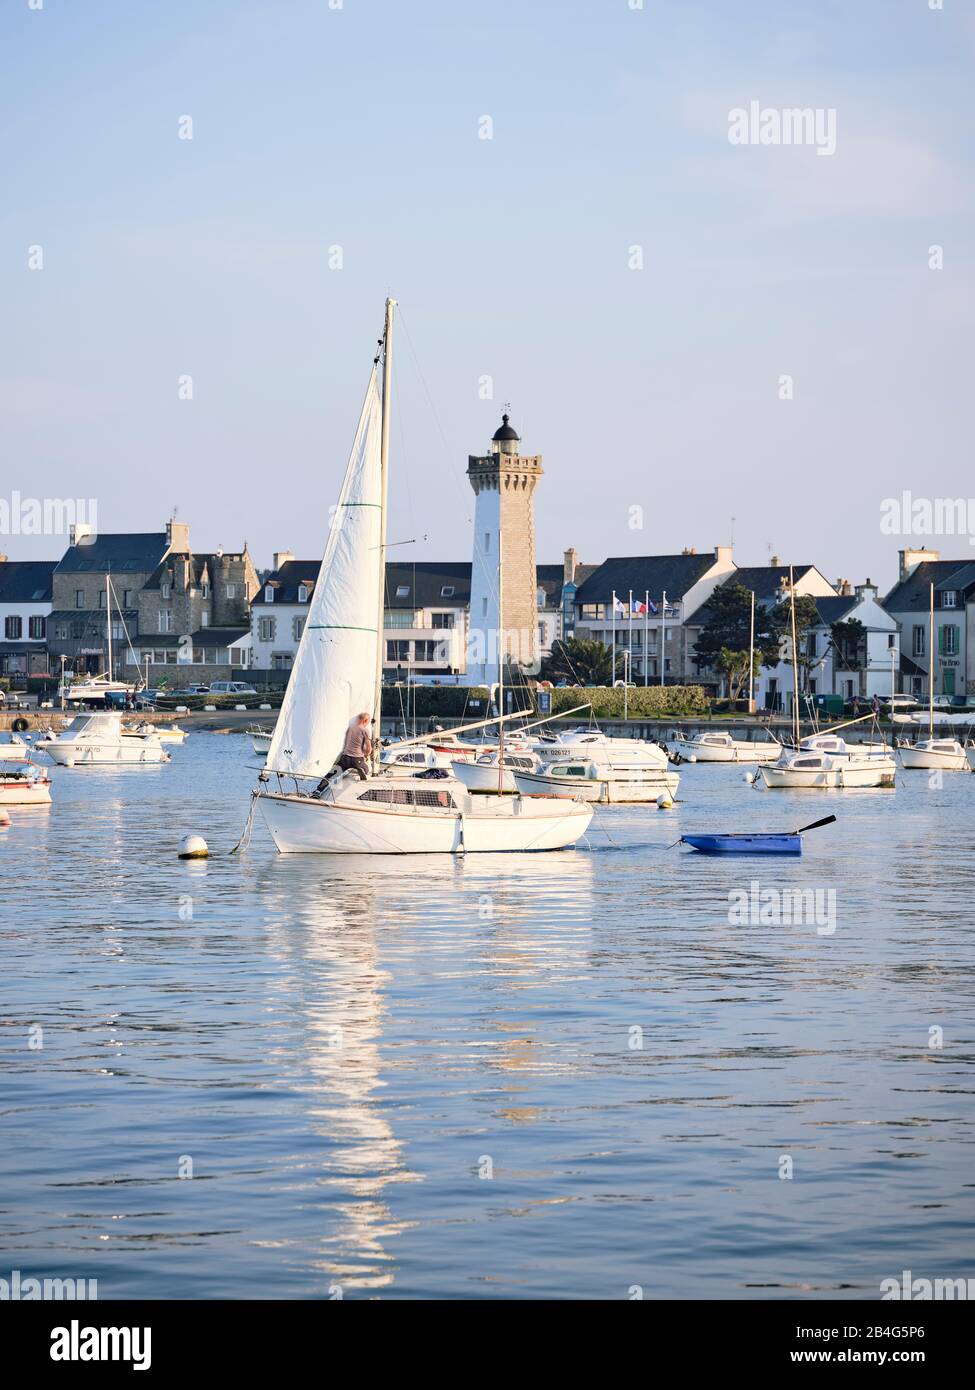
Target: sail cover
334 674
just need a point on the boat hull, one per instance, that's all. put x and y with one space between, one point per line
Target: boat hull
927 759
303 825
877 773
477 778
126 753
735 753
744 844
23 791
604 790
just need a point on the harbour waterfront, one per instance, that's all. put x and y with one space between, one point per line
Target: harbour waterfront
554 1075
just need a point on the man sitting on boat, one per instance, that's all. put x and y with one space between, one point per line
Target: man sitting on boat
357 748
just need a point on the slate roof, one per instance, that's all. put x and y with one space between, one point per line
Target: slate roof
26 581
123 550
424 581
913 593
765 582
962 579
644 573
285 581
205 637
831 610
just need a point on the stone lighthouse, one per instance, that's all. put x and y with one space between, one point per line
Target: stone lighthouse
504 593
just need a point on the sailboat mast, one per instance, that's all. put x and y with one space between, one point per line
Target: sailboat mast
108 611
931 665
500 664
384 495
795 654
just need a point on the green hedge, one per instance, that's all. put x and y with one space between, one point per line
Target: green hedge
642 701
452 701
455 702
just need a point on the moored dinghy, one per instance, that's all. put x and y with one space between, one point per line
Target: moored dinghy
788 843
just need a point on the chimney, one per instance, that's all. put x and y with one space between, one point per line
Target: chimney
866 590
177 536
844 588
281 557
570 563
910 559
723 555
78 531
774 562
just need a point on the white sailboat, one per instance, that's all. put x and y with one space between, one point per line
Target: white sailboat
337 673
930 753
100 689
720 747
824 760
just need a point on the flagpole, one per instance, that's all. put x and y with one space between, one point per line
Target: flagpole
629 638
646 636
751 661
663 636
613 681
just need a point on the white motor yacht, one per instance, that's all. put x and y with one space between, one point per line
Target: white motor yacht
94 740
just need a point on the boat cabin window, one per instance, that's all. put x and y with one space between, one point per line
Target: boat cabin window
576 770
400 796
486 758
808 762
718 740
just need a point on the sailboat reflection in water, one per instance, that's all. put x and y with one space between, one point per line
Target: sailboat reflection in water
317 808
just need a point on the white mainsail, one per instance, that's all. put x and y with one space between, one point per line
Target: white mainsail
334 673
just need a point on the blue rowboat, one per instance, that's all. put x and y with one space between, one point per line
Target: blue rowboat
744 844
753 844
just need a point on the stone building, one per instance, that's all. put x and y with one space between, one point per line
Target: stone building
25 606
504 578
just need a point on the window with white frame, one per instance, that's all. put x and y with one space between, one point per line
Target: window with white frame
297 625
204 617
949 599
268 593
302 593
165 618
231 591
266 629
917 640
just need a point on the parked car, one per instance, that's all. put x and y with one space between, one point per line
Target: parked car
231 688
190 690
898 704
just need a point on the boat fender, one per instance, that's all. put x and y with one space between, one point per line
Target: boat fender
193 847
4 817
664 801
749 777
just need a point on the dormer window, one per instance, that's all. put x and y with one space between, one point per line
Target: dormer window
302 593
540 597
949 598
402 591
166 590
447 591
268 593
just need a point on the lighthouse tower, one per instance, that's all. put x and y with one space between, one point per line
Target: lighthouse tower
503 562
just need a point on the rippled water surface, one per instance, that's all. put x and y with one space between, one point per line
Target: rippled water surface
543 1075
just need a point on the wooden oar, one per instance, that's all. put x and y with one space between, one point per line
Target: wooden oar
827 820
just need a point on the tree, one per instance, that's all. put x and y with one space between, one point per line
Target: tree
848 639
581 661
734 665
807 617
729 627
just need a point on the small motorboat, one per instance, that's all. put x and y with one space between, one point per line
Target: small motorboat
722 748
14 748
29 787
166 733
790 843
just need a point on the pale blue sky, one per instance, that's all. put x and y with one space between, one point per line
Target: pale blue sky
359 127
